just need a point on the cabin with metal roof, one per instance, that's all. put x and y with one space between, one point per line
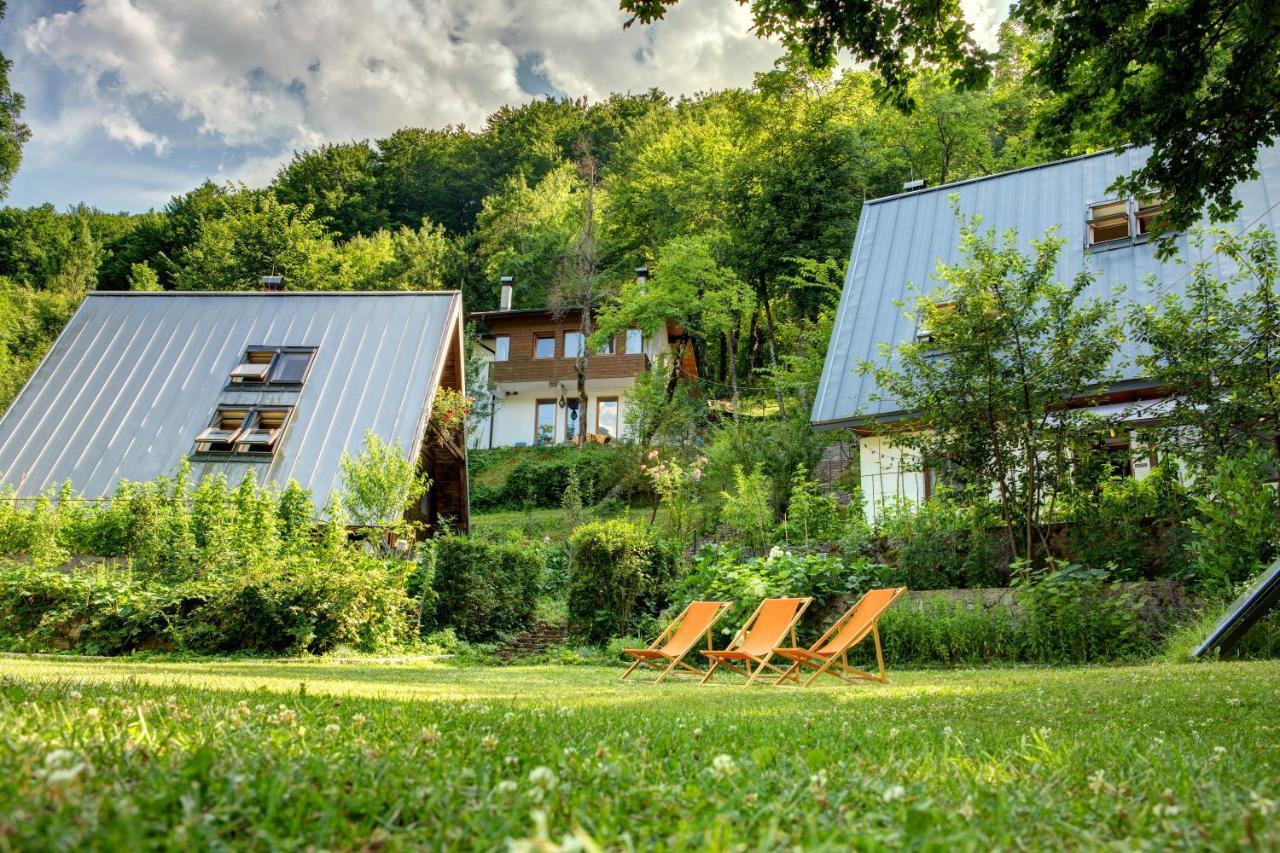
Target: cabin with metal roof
902 239
277 383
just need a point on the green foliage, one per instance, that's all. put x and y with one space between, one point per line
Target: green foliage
746 510
942 544
13 133
1066 616
381 482
1236 527
1220 332
1006 344
812 515
539 477
617 573
1135 528
485 588
722 574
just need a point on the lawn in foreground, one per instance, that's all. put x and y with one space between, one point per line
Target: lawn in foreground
126 754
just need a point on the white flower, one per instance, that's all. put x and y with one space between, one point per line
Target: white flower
506 787
894 792
724 766
332 729
543 777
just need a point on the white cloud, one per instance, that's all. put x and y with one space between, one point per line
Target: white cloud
259 78
123 127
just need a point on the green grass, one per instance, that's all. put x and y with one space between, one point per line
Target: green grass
116 754
552 522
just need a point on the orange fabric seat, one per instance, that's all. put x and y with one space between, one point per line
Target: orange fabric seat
755 641
683 633
829 654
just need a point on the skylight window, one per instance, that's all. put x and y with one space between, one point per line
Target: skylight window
273 366
1108 222
251 430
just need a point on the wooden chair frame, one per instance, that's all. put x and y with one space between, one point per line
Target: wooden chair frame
837 665
722 657
653 657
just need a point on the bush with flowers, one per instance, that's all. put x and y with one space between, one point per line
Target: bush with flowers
450 409
675 487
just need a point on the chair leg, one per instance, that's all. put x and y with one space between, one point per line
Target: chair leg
674 663
715 662
630 670
875 632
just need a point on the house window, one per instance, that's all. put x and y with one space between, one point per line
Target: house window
607 416
572 344
544 346
544 426
244 429
1150 214
1116 455
501 347
606 348
1108 222
273 366
635 342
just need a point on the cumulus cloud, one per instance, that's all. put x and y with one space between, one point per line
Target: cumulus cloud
256 79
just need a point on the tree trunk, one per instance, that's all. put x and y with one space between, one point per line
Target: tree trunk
773 354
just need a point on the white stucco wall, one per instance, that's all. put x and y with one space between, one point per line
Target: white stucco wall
513 419
891 473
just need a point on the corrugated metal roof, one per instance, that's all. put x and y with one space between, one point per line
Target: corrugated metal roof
134 377
902 239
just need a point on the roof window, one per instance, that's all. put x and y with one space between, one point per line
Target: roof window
273 366
252 430
1108 222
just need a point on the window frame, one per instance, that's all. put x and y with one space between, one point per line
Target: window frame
235 443
1091 222
582 343
639 336
540 337
608 347
573 404
537 411
617 416
278 354
501 352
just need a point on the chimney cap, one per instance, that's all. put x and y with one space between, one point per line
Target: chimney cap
272 282
642 272
507 279
917 184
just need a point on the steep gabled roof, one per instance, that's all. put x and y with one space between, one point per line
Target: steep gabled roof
901 240
134 378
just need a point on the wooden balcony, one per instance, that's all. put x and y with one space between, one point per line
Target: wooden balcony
525 369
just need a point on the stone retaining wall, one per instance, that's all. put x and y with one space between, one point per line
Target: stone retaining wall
1158 600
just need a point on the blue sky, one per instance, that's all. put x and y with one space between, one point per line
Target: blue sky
133 101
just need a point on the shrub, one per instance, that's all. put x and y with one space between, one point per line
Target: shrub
380 482
939 544
485 588
1074 615
616 573
1234 530
1134 527
746 510
811 515
542 482
947 632
720 574
303 605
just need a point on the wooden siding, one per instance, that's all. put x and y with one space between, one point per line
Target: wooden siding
521 366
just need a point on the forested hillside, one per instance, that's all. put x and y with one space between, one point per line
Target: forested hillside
765 185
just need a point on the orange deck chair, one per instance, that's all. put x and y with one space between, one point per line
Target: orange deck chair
830 654
755 641
667 652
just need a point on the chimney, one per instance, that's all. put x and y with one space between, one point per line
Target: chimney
272 283
917 184
504 301
642 276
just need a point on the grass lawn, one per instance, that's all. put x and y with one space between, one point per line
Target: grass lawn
126 754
